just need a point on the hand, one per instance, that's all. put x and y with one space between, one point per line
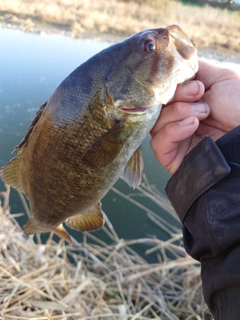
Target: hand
187 118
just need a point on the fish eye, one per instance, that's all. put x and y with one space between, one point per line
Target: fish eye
149 46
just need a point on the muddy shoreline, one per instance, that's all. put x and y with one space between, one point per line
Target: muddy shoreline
112 21
209 52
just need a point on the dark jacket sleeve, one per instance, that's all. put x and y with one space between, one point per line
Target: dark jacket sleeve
205 192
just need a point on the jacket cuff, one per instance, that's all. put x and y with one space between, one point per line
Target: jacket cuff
203 167
229 145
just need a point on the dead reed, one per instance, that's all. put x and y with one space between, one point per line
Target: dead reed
108 19
107 281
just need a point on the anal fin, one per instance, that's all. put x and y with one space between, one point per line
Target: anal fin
87 221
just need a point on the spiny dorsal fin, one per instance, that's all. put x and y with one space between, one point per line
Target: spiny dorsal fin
87 221
105 149
31 227
9 173
132 173
30 128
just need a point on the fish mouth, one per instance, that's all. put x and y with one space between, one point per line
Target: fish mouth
134 110
181 41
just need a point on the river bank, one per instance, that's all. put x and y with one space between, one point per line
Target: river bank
215 32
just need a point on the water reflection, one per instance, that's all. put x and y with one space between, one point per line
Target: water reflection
31 67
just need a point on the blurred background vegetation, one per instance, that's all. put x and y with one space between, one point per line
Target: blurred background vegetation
211 25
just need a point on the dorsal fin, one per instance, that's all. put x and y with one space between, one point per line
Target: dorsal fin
30 128
9 173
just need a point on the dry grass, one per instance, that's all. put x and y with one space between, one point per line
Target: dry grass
106 282
207 27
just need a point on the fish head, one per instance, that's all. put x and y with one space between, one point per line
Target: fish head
153 62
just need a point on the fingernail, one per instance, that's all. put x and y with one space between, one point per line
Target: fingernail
191 88
187 121
199 107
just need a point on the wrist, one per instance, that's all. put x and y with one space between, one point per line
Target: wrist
203 167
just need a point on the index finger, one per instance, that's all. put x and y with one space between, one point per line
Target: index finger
188 91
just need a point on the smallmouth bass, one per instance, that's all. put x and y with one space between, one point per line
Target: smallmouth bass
90 131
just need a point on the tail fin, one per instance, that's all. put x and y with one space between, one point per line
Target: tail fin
31 227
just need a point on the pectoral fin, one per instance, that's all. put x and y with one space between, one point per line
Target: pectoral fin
106 148
91 220
31 227
132 173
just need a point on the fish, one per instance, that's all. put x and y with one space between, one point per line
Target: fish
89 133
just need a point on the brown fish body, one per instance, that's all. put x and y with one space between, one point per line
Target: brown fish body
53 170
90 131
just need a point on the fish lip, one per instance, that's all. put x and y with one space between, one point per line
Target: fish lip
134 110
177 32
182 43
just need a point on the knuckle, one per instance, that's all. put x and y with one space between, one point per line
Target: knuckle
180 109
169 130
